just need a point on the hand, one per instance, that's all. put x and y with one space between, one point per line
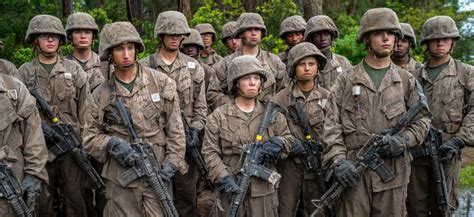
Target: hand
450 148
123 152
194 134
167 172
32 188
346 173
272 149
297 149
228 185
393 146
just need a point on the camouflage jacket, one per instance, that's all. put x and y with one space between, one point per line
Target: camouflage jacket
189 77
412 65
284 56
336 66
22 144
450 99
8 68
277 78
92 69
352 120
228 130
154 109
210 59
65 89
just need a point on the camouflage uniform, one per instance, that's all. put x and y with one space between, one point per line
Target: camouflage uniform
228 31
351 120
408 32
195 39
208 56
8 68
337 64
228 129
189 77
291 24
154 108
277 78
451 101
22 145
66 90
85 21
297 185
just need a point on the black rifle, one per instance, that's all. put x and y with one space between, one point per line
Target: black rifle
147 166
430 148
64 137
368 157
10 189
312 159
193 152
251 162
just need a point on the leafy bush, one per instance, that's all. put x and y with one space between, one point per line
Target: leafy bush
467 177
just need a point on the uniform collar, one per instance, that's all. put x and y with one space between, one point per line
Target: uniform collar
361 77
313 95
234 111
178 63
449 70
41 72
142 80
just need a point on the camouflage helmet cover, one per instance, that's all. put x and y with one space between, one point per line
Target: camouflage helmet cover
81 20
379 19
320 23
439 27
409 33
301 51
44 23
241 66
116 34
228 30
171 23
194 38
204 28
250 20
294 23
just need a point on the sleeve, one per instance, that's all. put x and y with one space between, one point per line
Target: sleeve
199 104
175 138
34 151
333 140
217 87
82 95
211 150
466 132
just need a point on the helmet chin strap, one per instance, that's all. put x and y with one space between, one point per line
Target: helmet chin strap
47 54
240 93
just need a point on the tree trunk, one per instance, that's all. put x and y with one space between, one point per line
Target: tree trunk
312 8
134 13
184 6
67 8
250 5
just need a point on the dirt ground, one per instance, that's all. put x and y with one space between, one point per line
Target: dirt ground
468 156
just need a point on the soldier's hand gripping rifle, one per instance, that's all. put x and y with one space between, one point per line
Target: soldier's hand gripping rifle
193 152
430 148
146 167
312 147
368 157
64 139
10 189
251 163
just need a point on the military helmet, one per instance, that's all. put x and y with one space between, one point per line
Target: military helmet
171 23
320 23
81 21
116 34
250 20
301 51
194 38
294 23
204 28
228 30
44 23
409 33
439 27
379 19
241 66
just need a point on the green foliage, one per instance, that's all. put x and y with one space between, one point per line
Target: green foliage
22 55
217 16
347 46
467 177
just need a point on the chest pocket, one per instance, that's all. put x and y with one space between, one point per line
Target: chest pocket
185 92
64 86
394 108
229 144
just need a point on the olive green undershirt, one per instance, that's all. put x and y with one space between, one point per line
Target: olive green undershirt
170 66
433 72
48 67
128 86
306 93
83 64
376 74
